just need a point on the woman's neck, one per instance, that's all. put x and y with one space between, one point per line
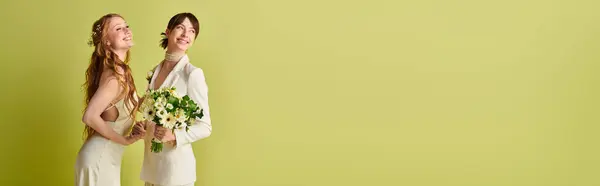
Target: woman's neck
172 57
121 54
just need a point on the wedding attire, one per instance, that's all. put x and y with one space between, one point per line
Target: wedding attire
176 164
99 159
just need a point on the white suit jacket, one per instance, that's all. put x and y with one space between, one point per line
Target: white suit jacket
176 165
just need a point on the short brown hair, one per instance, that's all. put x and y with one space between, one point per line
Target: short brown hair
176 20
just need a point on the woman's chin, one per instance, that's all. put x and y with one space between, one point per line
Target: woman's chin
183 47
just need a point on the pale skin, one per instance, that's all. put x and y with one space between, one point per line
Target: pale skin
96 114
180 39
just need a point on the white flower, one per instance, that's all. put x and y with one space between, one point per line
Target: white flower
162 101
168 121
149 76
161 113
169 106
147 108
158 106
149 114
180 115
148 104
173 92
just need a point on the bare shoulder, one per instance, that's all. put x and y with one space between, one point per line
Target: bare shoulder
109 77
109 83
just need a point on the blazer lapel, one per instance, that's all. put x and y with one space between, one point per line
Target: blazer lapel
154 75
175 73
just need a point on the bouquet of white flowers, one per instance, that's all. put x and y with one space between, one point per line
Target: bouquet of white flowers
165 108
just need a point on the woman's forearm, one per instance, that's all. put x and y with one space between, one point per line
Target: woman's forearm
100 126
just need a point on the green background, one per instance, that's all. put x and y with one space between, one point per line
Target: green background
321 93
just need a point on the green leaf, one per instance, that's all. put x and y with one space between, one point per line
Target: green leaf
172 100
193 105
156 147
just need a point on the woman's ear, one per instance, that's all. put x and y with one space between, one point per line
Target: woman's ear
167 31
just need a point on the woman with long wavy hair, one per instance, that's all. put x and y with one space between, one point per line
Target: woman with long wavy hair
111 103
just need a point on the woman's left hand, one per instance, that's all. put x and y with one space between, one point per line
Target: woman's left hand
163 134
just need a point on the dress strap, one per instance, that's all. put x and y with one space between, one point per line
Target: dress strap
111 106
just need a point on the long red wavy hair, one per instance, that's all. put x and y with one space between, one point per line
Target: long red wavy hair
103 57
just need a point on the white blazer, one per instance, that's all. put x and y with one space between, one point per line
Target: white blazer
176 165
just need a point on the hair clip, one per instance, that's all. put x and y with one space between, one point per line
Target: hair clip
98 28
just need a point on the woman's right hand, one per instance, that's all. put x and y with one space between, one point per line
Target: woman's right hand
132 138
139 127
138 133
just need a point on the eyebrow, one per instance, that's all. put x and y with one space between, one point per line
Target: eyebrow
124 23
192 27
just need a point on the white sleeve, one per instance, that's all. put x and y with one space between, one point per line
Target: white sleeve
197 90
